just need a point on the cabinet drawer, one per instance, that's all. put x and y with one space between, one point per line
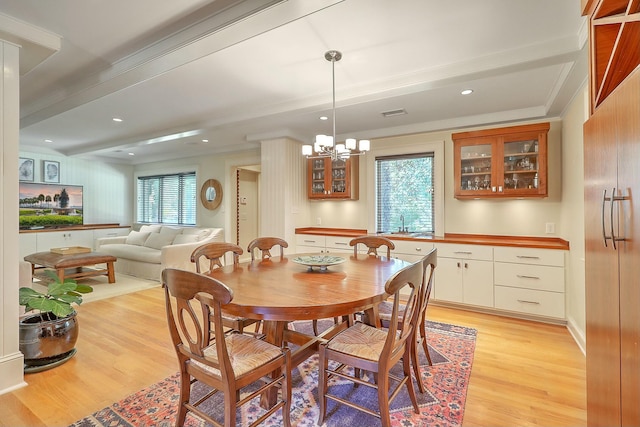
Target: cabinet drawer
465 251
337 242
539 277
542 303
411 247
530 256
310 240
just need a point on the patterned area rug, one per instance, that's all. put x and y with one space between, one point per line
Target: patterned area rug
451 348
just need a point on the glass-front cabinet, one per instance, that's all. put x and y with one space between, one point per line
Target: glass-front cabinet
504 162
332 179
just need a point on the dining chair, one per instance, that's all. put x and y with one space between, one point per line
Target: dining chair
215 252
367 348
224 362
372 243
265 244
385 310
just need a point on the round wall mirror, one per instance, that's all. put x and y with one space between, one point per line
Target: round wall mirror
211 194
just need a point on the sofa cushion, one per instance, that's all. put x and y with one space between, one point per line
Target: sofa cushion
137 237
158 240
185 238
200 233
154 228
132 252
170 231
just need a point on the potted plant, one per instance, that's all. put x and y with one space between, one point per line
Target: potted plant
48 337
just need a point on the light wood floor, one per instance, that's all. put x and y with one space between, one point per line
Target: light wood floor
524 373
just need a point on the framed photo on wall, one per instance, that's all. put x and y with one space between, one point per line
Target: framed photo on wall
25 169
51 171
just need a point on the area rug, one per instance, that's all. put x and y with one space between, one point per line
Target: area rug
451 348
102 289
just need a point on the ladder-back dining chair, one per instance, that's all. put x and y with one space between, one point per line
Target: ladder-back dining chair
385 309
224 362
264 245
373 243
214 252
377 351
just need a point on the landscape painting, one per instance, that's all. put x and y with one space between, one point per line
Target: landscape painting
50 205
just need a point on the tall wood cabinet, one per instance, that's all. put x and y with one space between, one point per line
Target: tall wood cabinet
612 258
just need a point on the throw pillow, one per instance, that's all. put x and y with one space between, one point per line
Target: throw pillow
170 231
185 238
158 240
150 228
137 237
200 233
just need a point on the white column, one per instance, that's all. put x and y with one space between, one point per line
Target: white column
11 360
283 188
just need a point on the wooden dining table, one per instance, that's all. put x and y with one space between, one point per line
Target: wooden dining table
278 291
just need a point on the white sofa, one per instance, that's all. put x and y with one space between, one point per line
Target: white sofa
148 251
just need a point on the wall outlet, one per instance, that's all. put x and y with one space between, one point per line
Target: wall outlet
550 228
318 221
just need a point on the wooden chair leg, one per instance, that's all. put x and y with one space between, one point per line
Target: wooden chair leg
322 383
185 394
315 327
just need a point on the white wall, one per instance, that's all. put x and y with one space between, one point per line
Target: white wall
572 208
497 217
107 188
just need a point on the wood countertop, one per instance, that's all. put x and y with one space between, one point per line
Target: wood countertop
472 239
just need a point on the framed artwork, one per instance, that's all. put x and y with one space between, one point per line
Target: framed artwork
25 169
51 171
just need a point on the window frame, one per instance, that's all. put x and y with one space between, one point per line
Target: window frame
437 147
165 172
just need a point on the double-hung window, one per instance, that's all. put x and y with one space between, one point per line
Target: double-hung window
167 199
405 193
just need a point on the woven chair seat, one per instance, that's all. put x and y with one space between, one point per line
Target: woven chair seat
245 353
360 340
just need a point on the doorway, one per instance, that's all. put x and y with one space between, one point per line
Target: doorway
247 206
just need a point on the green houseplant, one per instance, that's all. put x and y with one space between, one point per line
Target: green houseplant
48 337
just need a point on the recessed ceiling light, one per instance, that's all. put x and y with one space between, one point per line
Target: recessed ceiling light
205 140
117 119
131 154
324 118
467 92
48 140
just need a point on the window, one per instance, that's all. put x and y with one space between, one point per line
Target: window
167 199
405 192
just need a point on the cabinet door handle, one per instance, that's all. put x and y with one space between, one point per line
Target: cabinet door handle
458 264
527 257
493 189
309 241
604 234
463 252
340 243
500 189
520 276
524 301
418 249
615 198
466 265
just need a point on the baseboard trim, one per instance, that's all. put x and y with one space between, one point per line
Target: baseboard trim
578 335
497 312
11 372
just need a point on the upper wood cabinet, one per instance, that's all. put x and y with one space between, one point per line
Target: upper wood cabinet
503 162
614 44
332 179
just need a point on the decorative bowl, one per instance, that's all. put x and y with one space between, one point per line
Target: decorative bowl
320 261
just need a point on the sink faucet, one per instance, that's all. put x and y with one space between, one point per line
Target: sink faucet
402 229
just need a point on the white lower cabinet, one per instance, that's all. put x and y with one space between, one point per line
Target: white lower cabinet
309 243
43 241
530 281
410 251
337 244
464 274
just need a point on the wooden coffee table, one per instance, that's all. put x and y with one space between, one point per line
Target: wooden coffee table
74 266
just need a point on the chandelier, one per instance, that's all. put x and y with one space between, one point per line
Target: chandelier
325 145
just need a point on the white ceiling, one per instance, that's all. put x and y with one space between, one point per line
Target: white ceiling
237 76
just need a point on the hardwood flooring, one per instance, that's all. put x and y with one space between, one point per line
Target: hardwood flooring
524 373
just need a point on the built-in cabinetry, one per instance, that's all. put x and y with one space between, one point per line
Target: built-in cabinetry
42 241
529 280
612 256
519 277
464 274
322 244
504 162
332 179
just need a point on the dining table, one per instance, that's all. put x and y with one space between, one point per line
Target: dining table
280 290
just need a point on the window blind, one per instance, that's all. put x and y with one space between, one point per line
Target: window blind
167 199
